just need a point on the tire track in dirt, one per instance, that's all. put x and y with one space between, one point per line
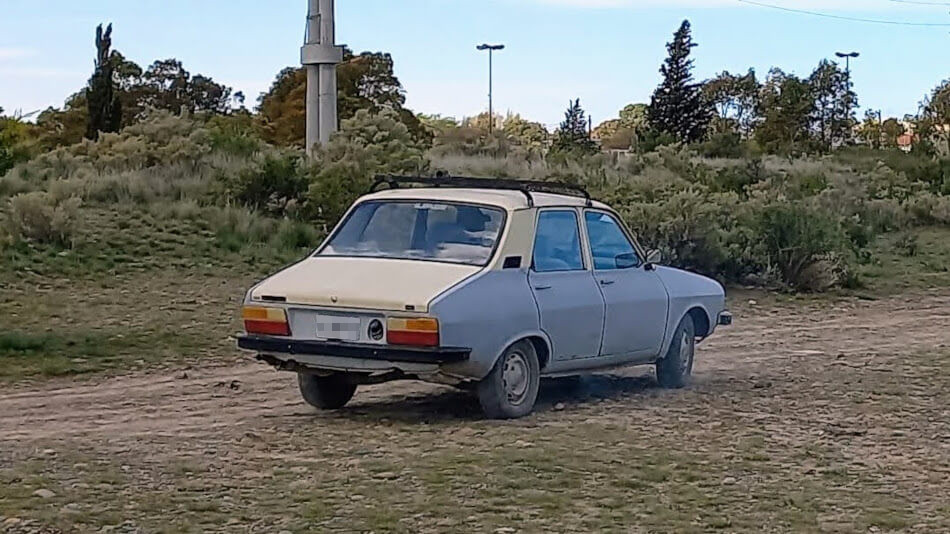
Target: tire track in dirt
233 399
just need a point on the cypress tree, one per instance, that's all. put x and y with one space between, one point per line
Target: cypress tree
678 107
105 109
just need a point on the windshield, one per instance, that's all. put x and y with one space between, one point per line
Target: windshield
419 230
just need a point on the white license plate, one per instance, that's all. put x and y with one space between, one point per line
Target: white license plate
335 327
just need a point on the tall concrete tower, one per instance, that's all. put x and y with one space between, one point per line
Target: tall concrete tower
320 56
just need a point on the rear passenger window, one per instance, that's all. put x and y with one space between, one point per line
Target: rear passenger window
557 244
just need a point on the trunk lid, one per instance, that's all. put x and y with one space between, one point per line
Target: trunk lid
363 283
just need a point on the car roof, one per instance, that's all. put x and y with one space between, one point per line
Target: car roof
510 200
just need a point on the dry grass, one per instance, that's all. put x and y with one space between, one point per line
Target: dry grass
796 423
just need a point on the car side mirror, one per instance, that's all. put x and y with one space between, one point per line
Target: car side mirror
626 261
654 258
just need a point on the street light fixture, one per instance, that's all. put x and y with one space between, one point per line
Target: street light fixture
491 50
847 60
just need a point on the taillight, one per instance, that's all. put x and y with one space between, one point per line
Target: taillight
267 321
417 332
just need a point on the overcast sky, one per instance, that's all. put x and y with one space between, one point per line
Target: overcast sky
605 52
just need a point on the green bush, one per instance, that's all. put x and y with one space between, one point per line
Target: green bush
344 169
271 182
38 217
807 247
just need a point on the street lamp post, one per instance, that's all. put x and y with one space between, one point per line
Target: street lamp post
491 50
848 56
847 60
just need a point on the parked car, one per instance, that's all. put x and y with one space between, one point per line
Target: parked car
477 283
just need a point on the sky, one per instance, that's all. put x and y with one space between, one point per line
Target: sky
605 52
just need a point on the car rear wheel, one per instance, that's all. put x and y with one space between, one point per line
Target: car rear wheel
326 392
511 389
674 370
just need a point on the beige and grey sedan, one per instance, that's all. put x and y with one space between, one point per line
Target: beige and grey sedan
483 284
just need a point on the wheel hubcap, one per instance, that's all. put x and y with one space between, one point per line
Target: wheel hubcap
686 354
515 377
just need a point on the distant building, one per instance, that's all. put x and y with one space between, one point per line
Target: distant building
906 142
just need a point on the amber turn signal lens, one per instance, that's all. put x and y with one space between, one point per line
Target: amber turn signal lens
265 321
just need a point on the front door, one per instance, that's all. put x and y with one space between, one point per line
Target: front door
637 301
569 302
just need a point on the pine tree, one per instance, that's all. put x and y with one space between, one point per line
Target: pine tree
105 109
573 135
678 107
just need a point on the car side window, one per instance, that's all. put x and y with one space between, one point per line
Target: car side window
609 245
557 244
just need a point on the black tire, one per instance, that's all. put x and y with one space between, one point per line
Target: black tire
674 370
501 400
326 392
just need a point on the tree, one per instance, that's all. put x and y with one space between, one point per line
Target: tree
734 98
832 116
891 130
936 108
572 136
437 124
105 108
678 107
532 136
365 81
871 131
167 85
785 105
634 116
15 134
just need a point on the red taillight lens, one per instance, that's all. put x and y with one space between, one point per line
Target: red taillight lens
266 321
421 332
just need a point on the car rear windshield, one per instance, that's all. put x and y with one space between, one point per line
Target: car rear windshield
419 230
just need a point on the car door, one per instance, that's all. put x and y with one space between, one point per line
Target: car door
569 302
637 303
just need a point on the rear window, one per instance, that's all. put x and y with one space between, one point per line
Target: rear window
417 230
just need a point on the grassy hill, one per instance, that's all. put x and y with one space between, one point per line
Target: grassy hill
135 250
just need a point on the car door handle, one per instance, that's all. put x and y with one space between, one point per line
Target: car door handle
541 288
607 282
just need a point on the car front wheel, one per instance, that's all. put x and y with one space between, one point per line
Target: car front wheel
511 389
674 370
326 392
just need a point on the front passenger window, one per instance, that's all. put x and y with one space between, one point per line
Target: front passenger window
557 244
609 244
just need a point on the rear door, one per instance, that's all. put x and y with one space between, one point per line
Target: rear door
637 301
569 302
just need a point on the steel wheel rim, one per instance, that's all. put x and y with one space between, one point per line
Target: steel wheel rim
515 377
686 354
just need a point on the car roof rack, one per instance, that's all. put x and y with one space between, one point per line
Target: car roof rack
526 187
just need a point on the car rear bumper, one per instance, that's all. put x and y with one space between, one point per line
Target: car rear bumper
362 351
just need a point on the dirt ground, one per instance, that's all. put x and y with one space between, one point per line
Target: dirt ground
815 416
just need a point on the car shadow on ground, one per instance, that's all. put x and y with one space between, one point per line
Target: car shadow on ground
456 405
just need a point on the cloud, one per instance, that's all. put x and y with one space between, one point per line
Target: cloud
8 53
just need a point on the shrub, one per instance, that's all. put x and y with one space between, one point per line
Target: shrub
38 217
344 169
807 247
270 182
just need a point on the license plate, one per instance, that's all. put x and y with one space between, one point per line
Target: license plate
335 327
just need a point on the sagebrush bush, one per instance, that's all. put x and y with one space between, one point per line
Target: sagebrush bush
38 217
270 182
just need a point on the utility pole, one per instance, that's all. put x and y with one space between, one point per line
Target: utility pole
491 49
320 55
